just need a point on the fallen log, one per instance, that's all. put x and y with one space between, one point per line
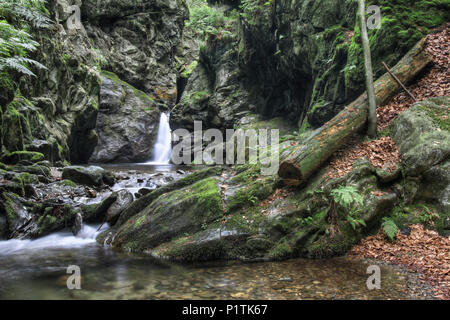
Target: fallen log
312 153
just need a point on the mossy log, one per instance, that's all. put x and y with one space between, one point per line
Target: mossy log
311 154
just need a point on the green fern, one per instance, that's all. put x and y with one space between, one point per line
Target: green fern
389 228
17 17
347 197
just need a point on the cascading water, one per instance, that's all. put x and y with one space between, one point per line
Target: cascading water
64 239
163 147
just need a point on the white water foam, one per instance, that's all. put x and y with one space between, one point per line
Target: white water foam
64 239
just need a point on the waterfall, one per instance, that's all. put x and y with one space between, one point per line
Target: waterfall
163 147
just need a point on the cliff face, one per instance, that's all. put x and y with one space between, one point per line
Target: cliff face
299 59
56 113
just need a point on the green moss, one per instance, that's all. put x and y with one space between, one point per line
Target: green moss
68 183
26 155
138 93
188 71
440 116
251 194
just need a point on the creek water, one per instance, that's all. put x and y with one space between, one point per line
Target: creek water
37 269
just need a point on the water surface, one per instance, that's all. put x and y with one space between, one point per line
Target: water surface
36 269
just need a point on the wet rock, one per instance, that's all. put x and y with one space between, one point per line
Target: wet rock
123 200
17 215
97 212
144 191
78 223
90 176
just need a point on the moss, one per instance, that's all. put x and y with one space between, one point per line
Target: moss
280 251
68 183
32 156
403 24
3 166
196 97
138 93
250 194
188 71
440 116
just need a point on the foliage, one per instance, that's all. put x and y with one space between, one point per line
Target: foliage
253 8
17 17
389 228
209 21
348 201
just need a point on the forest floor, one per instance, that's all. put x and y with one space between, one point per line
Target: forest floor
422 251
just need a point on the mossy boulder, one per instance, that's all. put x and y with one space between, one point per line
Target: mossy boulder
109 209
17 156
139 205
423 136
90 176
171 215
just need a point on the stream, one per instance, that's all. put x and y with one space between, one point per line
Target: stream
37 269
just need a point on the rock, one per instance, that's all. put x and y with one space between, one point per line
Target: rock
144 201
17 215
90 176
127 123
423 138
144 191
447 223
3 226
421 141
123 200
141 43
78 223
23 156
172 214
210 244
181 171
406 231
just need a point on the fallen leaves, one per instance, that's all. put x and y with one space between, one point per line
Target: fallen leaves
435 83
382 153
423 251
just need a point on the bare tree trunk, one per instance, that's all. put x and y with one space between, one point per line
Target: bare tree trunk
372 116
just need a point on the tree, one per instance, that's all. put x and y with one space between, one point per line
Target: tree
372 112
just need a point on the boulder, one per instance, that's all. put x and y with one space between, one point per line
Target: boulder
127 123
90 176
422 134
171 215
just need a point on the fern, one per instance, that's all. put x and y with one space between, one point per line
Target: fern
349 201
389 228
347 197
16 18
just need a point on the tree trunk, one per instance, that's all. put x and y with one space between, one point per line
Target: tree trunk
309 156
372 117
